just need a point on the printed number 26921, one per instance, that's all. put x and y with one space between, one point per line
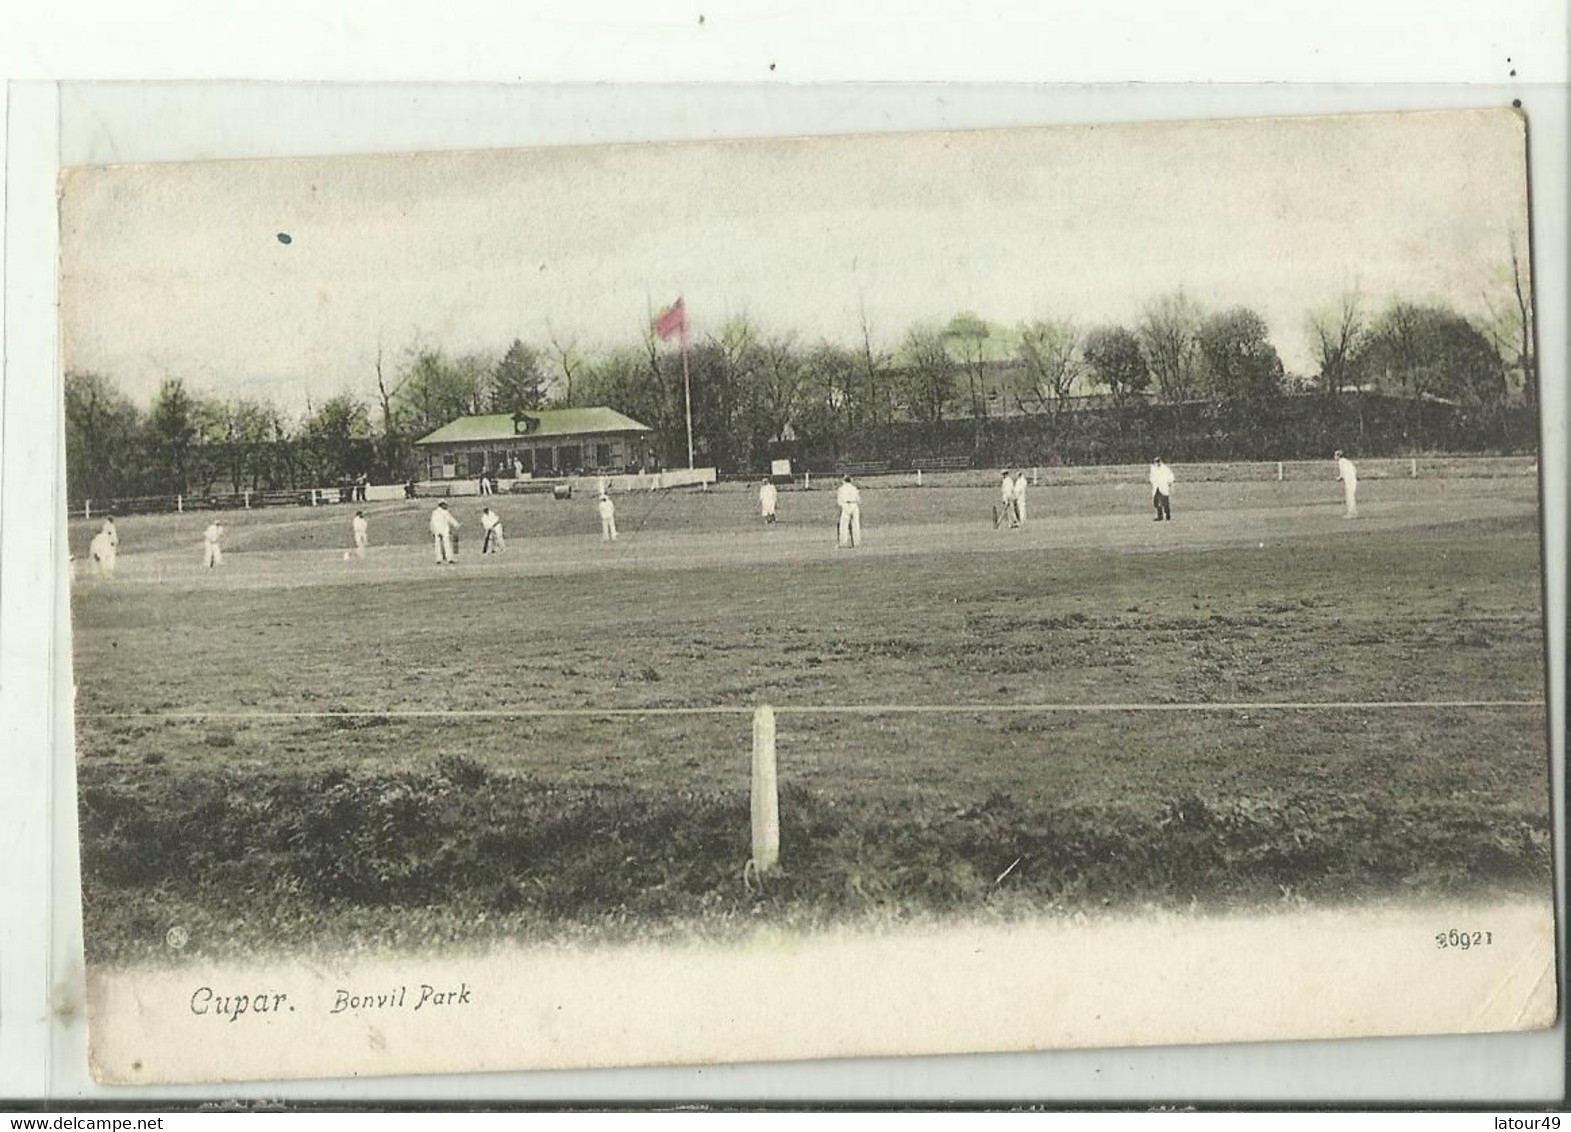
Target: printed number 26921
1462 941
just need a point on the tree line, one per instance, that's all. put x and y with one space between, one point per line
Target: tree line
754 390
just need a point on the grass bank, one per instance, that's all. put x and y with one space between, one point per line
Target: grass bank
456 853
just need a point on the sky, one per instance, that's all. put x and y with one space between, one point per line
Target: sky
177 270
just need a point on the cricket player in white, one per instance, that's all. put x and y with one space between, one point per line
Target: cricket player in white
1348 474
1020 498
212 552
767 496
607 519
105 546
358 526
491 524
1006 500
850 500
442 527
1161 478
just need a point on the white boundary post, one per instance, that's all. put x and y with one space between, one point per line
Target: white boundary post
87 508
248 499
1279 471
180 504
1415 468
919 477
1034 480
766 792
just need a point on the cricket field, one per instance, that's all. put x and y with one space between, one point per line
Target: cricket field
1261 703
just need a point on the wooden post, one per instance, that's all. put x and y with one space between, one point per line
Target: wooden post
180 503
87 508
1279 471
1415 469
919 477
766 792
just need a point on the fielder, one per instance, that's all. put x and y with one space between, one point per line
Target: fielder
442 527
104 548
1161 478
850 500
212 552
358 526
491 524
1348 474
607 519
1020 499
767 497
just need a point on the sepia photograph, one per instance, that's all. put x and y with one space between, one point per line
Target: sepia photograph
816 597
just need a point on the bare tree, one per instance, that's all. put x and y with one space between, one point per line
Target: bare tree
1051 352
829 376
928 378
384 394
970 335
776 394
725 367
662 386
874 366
1511 326
476 376
174 427
569 363
248 429
1338 336
395 444
1170 335
106 444
435 389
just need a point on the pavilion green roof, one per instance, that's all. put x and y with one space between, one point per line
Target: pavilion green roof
542 422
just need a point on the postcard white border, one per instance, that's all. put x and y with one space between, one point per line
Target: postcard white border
793 41
1525 1067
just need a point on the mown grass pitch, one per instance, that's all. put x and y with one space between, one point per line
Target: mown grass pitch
278 753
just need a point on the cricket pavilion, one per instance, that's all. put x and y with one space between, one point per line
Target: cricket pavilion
545 444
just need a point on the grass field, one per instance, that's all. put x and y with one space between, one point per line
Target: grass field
286 752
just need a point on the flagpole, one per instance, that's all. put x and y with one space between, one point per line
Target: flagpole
687 392
674 320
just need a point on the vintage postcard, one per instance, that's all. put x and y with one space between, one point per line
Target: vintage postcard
806 598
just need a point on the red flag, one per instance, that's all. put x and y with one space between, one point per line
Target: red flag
673 321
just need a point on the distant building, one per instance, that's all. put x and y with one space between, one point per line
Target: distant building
545 442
